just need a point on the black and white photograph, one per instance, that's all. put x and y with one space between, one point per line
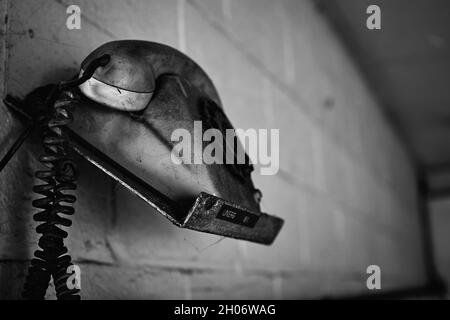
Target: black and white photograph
224 156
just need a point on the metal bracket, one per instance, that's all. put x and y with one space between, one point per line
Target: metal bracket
208 214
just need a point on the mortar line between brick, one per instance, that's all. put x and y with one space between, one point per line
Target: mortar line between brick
273 274
112 222
181 25
5 47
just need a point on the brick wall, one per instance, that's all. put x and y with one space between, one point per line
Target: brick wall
440 224
346 185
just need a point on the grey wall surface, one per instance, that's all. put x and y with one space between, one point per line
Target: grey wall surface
346 185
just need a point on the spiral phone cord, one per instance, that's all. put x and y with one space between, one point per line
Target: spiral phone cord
52 261
60 176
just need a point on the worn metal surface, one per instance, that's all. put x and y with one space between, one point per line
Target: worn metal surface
131 74
141 144
215 215
136 149
208 214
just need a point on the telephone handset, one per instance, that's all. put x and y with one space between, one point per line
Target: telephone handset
133 95
165 90
128 81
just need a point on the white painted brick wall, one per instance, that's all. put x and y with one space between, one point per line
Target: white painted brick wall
346 185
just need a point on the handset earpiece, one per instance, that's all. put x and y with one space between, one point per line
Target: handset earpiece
128 81
125 83
85 75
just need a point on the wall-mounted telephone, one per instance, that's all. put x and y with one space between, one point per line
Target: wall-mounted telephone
119 113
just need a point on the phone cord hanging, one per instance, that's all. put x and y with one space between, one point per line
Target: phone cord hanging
52 259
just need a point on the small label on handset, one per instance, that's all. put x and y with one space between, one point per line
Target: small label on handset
237 216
